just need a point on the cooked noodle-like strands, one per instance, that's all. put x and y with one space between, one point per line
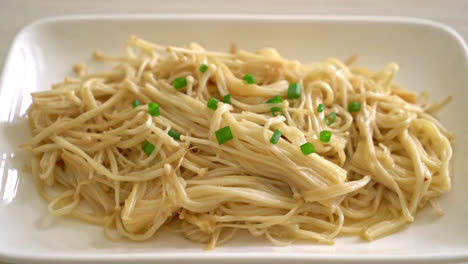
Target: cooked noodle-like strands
383 163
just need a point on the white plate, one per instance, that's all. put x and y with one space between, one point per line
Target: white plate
432 57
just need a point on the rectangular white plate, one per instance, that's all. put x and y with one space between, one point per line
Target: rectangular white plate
432 57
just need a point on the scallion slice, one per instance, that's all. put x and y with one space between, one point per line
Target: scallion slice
275 100
294 90
249 78
203 68
147 147
275 110
354 106
179 83
174 134
153 109
223 135
307 148
320 108
135 103
330 118
213 103
276 136
325 136
227 99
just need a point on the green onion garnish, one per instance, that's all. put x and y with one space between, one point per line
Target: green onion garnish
180 83
275 100
320 108
203 68
333 118
227 99
275 110
136 103
213 103
294 90
354 106
325 136
174 134
276 136
153 109
223 135
147 147
249 78
307 148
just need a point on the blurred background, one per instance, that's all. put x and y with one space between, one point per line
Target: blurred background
15 14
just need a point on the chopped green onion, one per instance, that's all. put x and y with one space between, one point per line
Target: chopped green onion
325 136
307 148
294 90
320 108
276 136
249 78
153 109
213 103
333 118
354 106
147 147
180 83
227 99
275 110
136 103
223 135
275 100
203 68
174 134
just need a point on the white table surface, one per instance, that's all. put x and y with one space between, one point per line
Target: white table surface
14 14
